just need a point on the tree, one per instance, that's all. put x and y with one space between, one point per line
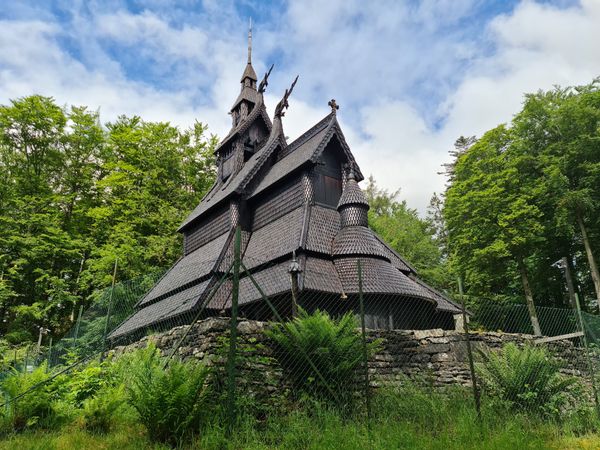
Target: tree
75 195
492 219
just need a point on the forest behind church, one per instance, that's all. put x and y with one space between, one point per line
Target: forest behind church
77 194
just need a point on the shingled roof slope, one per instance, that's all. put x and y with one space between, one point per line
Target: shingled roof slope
188 269
397 260
237 182
179 303
307 148
274 240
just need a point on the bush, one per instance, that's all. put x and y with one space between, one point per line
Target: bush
524 378
31 410
100 411
85 381
334 347
170 402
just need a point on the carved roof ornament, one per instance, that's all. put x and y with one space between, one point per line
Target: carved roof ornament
334 105
264 82
283 103
294 264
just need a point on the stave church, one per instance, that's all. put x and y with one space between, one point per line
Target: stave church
304 227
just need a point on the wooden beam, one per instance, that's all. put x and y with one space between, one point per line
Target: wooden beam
558 338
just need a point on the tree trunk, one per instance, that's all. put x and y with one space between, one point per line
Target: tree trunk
529 298
570 286
590 256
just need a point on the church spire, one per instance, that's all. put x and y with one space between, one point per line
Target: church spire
249 78
250 41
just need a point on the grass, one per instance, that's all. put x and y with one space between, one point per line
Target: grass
410 419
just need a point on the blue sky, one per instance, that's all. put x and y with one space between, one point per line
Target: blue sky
410 76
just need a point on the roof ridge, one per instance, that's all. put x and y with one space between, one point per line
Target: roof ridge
311 131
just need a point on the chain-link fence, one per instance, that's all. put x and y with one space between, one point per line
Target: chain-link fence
335 331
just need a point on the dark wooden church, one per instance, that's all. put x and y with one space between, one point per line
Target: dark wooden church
302 214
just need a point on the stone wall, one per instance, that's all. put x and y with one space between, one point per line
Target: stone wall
437 357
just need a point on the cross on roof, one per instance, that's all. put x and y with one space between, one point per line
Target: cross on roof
334 105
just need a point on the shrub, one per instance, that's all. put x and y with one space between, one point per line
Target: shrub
86 381
525 378
334 348
32 409
169 402
100 411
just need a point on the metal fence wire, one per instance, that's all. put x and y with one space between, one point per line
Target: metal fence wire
291 328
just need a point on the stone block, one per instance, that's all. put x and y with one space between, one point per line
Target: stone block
434 348
424 334
442 357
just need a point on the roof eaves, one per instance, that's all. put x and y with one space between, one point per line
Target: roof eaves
380 239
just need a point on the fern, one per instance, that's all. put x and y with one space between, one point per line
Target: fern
169 402
34 409
321 355
526 378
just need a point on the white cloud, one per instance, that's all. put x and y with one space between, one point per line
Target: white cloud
394 67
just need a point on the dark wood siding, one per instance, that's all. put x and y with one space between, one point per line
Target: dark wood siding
328 177
277 202
206 230
327 190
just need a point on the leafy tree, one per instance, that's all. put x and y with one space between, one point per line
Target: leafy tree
75 195
492 219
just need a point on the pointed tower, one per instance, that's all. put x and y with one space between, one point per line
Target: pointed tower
247 99
250 123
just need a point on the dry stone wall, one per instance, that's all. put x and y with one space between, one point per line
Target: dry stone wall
437 357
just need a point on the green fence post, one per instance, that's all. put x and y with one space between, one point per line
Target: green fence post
49 359
231 363
364 342
108 312
77 324
469 351
587 354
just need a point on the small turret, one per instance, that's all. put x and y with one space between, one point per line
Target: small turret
353 206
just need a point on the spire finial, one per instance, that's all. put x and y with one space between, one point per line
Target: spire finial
250 41
351 174
334 105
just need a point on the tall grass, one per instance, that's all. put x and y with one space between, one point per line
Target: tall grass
408 417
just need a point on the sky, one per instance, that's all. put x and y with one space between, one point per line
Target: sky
410 76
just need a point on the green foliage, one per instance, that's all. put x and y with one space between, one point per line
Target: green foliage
31 410
333 346
524 195
170 402
100 412
86 381
527 379
75 196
